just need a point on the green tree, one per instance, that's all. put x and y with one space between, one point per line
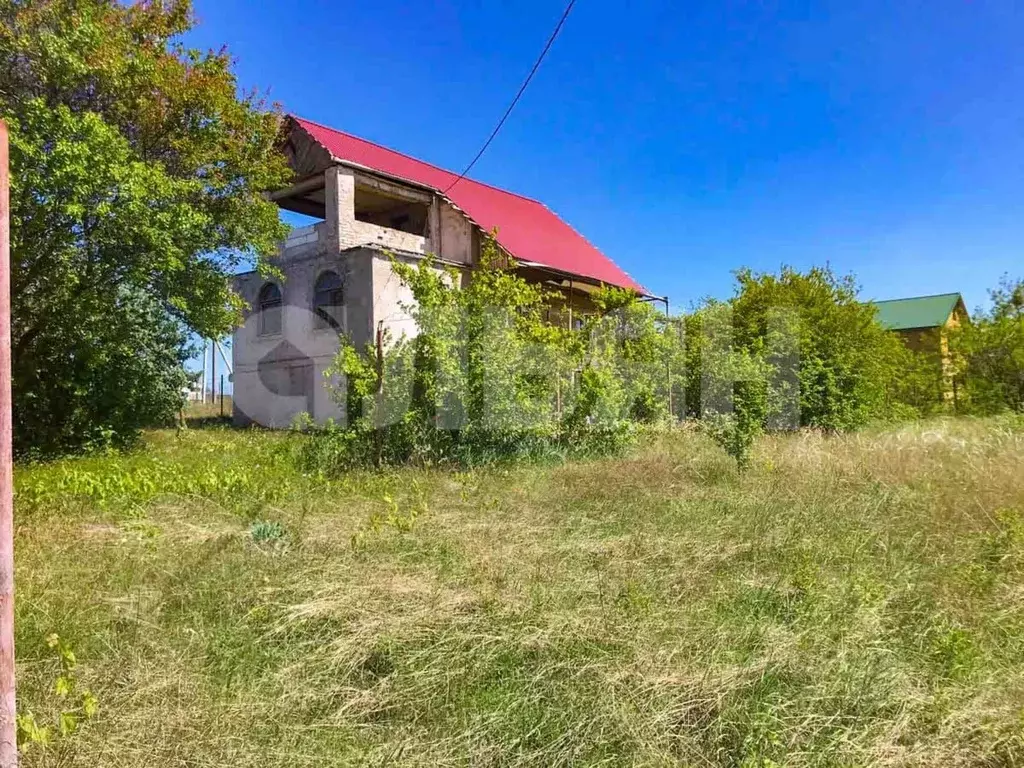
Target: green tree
734 402
848 366
988 353
137 178
644 349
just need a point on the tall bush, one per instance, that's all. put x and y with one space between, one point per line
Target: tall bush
849 367
988 353
734 390
486 375
643 350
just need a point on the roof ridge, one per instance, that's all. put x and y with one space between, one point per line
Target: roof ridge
418 160
914 298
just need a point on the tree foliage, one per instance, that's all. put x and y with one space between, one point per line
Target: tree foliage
848 367
643 351
797 349
988 353
730 383
137 172
487 369
488 375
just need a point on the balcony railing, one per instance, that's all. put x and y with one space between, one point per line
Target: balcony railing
372 234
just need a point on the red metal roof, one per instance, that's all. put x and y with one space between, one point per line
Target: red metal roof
526 228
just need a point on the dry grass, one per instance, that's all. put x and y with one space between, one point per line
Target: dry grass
220 408
848 601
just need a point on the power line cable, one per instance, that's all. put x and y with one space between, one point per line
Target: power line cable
522 88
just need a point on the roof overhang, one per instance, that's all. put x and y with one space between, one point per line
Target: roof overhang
310 157
574 277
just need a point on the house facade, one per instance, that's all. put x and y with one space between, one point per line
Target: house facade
372 204
924 324
923 321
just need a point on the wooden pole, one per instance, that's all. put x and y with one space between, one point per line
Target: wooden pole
8 727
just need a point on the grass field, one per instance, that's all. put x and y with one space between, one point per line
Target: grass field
847 601
207 410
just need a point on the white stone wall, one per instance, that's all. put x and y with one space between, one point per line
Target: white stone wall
456 242
391 300
364 233
278 377
339 208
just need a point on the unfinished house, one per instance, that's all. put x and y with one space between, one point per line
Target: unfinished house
372 203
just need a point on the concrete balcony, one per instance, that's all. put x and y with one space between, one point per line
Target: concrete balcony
364 233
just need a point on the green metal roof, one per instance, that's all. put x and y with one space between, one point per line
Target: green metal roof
916 312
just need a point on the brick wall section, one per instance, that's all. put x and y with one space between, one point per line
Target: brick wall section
344 231
371 234
340 208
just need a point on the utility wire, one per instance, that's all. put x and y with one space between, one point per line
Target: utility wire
515 101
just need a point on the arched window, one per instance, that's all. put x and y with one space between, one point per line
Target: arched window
270 310
327 301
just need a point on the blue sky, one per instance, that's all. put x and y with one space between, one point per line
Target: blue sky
686 139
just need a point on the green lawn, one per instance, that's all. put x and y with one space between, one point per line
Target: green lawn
847 601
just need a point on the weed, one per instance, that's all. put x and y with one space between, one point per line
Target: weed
264 532
69 706
846 600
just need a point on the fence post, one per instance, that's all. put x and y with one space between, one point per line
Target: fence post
8 721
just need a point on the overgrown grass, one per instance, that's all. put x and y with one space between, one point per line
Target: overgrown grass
846 601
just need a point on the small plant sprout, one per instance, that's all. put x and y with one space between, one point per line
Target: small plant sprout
69 706
264 532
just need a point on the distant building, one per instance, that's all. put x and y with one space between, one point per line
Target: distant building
924 321
373 203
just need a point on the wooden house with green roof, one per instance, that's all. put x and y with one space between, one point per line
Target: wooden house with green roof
924 323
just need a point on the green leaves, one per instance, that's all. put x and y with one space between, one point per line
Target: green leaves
68 712
30 732
138 174
848 367
494 372
988 353
90 704
62 687
67 723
